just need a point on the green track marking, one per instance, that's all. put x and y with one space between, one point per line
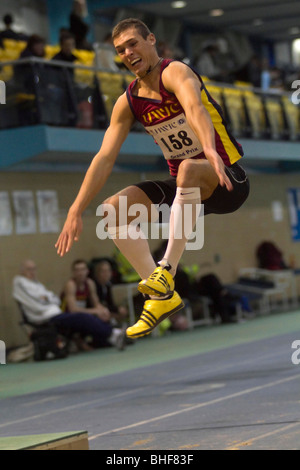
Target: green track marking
23 378
27 442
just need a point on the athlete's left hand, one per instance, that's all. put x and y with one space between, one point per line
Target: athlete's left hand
218 165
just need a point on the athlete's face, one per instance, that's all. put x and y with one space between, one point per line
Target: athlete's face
137 54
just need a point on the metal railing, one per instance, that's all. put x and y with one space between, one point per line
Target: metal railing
77 95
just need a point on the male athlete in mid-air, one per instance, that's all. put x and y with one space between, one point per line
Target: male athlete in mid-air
172 103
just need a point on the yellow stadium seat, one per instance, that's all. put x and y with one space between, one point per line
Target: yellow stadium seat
256 114
129 78
51 51
275 117
11 54
241 84
292 116
12 44
216 93
85 57
81 76
12 50
112 86
84 76
21 45
118 60
6 72
235 111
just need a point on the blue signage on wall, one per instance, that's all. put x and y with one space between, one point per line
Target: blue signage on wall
294 210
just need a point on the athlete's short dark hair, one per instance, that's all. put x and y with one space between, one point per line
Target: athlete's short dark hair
123 25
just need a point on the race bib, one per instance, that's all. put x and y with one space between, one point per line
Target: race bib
175 138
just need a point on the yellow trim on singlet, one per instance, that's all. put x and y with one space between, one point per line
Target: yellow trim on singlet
230 148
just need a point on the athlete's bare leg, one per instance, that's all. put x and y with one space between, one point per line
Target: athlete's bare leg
136 251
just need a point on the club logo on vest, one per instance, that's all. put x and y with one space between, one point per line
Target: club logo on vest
161 113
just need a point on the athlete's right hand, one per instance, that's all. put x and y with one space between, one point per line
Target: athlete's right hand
70 233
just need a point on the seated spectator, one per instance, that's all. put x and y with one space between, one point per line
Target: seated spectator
277 78
103 275
254 69
223 302
80 293
8 32
25 73
38 303
106 56
270 257
42 306
54 102
35 47
67 45
214 64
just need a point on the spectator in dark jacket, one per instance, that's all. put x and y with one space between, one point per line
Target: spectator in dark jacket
25 73
8 32
103 276
35 47
67 45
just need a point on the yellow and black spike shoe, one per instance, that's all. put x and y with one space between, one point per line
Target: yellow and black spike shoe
154 312
160 283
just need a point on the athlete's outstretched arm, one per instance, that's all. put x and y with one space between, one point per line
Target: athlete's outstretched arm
179 79
97 174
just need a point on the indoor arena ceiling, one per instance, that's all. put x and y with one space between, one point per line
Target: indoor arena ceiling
277 20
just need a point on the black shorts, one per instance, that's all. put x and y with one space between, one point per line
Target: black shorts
221 201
